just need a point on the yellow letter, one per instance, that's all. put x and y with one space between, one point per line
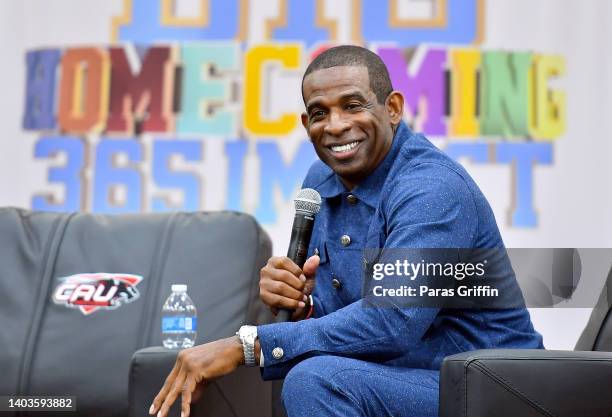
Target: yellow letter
256 61
547 107
464 67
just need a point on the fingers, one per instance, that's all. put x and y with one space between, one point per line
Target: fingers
194 366
282 262
173 394
311 265
274 283
168 383
279 301
188 388
283 284
281 276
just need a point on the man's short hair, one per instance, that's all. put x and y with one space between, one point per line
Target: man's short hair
355 56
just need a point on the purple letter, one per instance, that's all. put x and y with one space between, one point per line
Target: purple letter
427 81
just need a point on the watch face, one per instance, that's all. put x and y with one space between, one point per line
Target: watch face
248 335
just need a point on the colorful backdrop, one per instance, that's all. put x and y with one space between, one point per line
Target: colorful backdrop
123 106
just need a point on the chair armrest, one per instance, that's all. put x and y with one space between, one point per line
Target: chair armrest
242 393
526 383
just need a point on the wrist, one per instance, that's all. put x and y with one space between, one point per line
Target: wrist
257 351
237 349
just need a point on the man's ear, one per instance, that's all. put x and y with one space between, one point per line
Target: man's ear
395 107
305 121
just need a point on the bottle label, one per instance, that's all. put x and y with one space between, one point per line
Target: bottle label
179 324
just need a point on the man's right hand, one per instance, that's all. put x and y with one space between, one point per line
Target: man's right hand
283 284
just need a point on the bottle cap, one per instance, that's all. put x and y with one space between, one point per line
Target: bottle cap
179 288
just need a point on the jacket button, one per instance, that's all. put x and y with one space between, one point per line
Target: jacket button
277 353
345 240
351 199
336 283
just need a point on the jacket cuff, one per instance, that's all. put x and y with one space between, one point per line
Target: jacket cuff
282 343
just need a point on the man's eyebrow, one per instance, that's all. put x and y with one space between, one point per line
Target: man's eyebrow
312 105
356 95
350 95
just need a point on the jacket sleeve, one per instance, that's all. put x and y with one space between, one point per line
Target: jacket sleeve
422 214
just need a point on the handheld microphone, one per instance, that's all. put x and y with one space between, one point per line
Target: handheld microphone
307 205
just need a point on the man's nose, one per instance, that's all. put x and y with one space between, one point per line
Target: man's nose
337 124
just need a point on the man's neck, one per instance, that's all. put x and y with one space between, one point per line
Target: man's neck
349 185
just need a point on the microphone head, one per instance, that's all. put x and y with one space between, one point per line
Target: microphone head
308 200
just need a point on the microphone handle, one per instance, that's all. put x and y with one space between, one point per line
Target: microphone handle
301 233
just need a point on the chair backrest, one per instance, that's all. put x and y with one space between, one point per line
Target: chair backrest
597 335
54 342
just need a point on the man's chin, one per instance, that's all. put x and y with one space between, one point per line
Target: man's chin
346 171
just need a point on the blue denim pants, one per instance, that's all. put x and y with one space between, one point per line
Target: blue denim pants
338 386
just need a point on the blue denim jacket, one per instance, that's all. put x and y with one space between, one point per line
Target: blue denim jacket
417 197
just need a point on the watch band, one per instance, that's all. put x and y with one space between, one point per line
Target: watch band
247 335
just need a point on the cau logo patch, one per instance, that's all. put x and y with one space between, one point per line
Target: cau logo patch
90 292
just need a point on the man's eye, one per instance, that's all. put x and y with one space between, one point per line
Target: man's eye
317 114
353 106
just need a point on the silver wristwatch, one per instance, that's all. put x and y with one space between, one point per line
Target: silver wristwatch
247 335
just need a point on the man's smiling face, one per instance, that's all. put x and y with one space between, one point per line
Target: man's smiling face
350 130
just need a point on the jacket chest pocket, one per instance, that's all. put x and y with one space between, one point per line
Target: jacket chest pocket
346 272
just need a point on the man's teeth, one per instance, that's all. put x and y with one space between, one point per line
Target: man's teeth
344 148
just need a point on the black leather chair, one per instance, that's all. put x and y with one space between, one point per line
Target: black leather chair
535 383
50 347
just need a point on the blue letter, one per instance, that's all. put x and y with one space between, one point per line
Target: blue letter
236 152
523 157
477 152
150 23
458 24
301 23
69 175
40 89
275 171
165 177
108 176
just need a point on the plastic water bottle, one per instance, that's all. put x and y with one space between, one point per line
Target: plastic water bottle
179 319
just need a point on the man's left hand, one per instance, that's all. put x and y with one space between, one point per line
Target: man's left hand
195 367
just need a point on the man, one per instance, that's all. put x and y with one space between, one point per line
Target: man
382 187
